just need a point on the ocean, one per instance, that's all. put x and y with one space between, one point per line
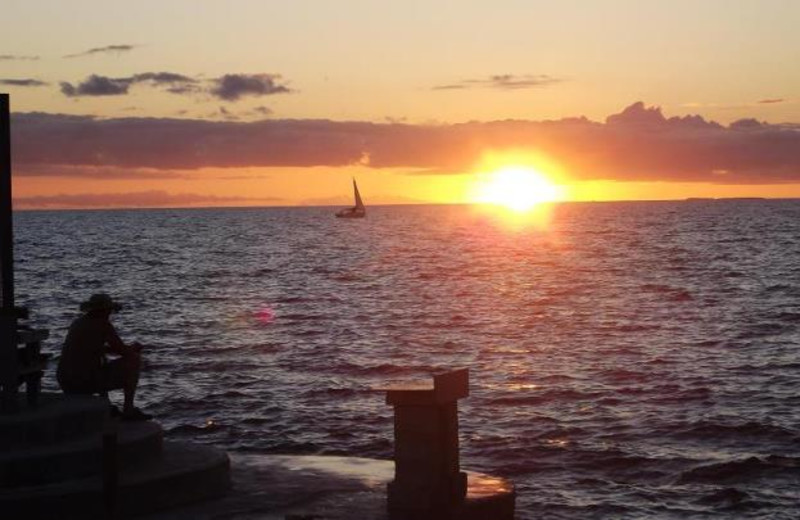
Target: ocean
628 360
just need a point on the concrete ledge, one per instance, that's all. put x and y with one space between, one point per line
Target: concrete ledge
80 457
57 418
267 487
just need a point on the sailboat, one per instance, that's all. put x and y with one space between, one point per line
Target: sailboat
357 211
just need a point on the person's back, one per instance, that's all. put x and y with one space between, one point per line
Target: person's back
83 354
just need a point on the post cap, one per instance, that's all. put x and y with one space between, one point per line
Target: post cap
447 387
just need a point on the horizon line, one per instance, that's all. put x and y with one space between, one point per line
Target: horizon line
303 206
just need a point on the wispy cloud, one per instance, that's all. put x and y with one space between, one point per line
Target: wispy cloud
26 82
108 49
262 111
771 101
503 82
17 57
232 87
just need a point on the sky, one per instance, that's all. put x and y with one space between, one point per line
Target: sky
206 103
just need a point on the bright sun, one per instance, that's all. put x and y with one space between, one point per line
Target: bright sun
518 188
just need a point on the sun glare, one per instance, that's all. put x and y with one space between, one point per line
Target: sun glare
518 188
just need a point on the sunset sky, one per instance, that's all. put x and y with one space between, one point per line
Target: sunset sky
206 103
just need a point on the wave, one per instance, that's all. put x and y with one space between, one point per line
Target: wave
725 472
751 430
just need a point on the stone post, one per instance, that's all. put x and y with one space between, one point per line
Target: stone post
428 481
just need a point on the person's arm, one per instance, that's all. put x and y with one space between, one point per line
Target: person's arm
116 345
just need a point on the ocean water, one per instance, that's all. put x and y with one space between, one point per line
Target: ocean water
629 360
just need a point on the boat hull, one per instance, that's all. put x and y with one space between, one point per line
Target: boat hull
351 213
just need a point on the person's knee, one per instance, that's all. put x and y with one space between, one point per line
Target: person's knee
133 359
131 366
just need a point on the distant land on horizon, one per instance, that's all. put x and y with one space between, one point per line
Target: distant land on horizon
386 205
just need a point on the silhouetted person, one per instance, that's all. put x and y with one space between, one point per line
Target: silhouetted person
83 367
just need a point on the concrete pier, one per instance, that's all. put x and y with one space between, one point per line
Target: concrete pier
52 461
298 487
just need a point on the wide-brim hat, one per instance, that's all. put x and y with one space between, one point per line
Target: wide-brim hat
100 301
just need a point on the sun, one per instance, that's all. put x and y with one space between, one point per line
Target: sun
518 188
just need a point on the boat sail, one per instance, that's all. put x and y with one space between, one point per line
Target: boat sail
357 211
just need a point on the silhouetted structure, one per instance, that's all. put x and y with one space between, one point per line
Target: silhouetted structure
25 365
8 318
428 479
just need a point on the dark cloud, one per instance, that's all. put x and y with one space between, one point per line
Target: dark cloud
503 82
108 49
771 101
262 111
232 87
96 85
146 199
17 57
638 144
27 82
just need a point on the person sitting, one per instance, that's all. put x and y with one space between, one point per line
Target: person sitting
83 367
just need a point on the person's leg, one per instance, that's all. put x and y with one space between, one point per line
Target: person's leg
132 364
123 373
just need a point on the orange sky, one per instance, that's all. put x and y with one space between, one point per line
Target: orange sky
408 97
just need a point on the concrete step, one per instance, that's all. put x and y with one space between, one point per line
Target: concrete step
184 473
137 442
56 419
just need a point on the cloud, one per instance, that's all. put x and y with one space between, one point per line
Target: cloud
141 199
262 111
27 82
227 114
232 87
96 85
503 82
162 78
17 57
637 144
108 49
771 101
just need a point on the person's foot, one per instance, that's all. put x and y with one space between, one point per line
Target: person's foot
135 415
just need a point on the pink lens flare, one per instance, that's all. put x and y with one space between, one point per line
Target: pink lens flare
265 316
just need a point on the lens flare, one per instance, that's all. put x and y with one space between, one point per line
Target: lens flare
265 315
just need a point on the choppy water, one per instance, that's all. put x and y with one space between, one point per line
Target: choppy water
633 360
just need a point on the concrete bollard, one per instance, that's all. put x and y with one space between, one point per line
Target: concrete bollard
428 480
